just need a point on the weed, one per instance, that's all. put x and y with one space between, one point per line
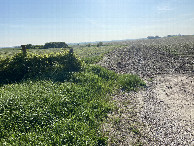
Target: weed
130 82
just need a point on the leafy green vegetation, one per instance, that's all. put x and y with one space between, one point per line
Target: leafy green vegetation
84 52
22 66
92 54
99 44
45 107
130 82
44 112
55 45
47 45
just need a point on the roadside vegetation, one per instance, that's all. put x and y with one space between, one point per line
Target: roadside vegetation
57 98
88 53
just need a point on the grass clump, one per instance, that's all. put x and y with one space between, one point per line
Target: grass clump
130 82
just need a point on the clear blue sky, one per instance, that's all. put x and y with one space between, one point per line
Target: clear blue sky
40 21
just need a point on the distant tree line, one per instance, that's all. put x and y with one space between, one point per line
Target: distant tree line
98 44
55 45
48 45
153 37
174 35
157 37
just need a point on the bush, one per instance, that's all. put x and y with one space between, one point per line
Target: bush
130 82
99 44
103 72
92 60
55 45
32 65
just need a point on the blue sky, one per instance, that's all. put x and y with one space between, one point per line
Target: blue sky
41 21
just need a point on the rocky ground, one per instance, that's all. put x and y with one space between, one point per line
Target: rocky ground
147 62
167 108
163 112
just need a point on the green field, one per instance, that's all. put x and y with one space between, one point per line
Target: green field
92 53
52 97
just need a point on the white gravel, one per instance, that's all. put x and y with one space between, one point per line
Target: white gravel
163 113
167 109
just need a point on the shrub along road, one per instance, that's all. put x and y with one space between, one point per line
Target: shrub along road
56 99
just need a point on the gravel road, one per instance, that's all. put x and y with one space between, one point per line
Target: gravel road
163 112
167 108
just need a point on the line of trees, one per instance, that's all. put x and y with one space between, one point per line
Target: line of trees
157 37
48 45
98 44
153 37
55 45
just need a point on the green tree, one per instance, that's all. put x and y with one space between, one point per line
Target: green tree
29 46
99 44
55 45
88 45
